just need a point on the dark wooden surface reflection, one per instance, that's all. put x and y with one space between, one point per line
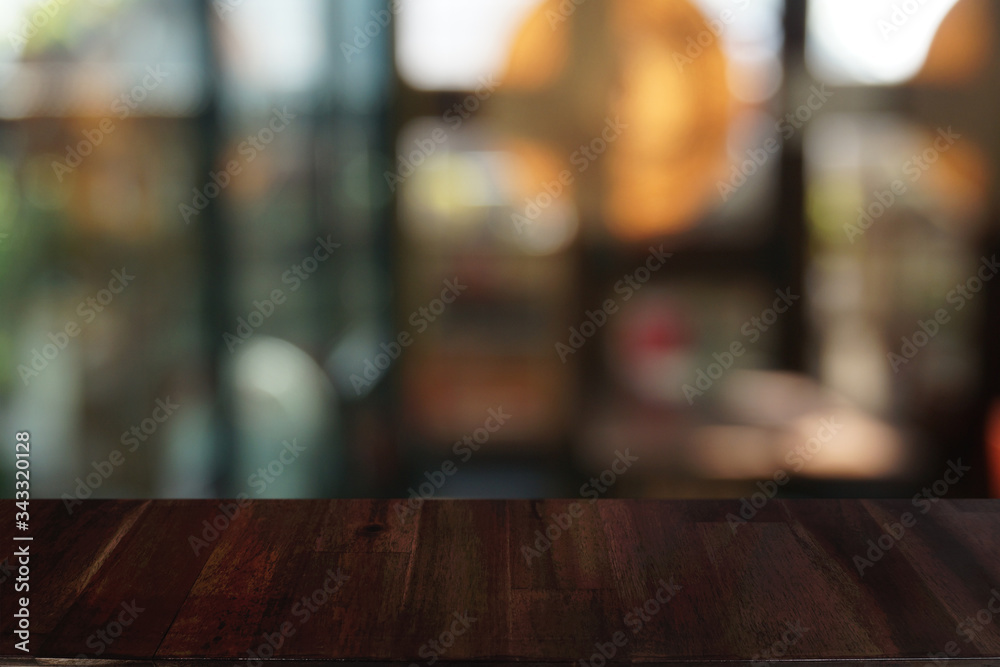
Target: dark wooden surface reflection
453 581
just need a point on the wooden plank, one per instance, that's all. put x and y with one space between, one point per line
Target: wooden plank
137 589
66 552
348 582
563 597
351 607
557 544
367 526
459 570
256 556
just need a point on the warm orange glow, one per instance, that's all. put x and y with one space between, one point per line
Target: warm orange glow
962 180
536 163
993 449
661 172
112 190
962 45
555 226
659 175
540 50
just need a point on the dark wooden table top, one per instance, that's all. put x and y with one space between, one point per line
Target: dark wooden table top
830 581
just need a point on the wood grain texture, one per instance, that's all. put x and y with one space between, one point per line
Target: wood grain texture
500 582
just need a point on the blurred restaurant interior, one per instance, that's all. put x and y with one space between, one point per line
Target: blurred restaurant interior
308 248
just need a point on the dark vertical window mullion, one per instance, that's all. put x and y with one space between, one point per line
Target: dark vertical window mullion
216 267
789 244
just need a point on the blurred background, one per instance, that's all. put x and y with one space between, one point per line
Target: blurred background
444 248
